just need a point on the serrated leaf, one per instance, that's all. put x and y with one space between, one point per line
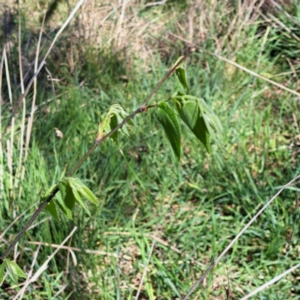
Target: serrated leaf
11 274
14 271
191 115
67 194
104 124
168 119
88 195
65 199
51 208
181 75
114 116
2 269
62 206
83 190
74 186
212 121
18 271
120 118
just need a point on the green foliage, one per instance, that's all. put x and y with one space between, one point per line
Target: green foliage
71 190
194 112
168 119
51 208
182 77
13 270
2 270
190 113
115 115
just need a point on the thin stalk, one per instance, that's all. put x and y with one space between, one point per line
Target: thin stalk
30 120
10 143
1 149
20 167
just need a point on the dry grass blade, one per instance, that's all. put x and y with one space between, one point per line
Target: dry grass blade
44 266
274 280
155 3
60 291
145 271
237 237
120 21
21 168
35 255
97 252
30 120
10 142
1 150
256 74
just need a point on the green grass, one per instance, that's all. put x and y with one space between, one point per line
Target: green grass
191 210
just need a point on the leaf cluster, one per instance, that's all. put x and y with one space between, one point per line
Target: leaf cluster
115 115
193 111
71 191
13 270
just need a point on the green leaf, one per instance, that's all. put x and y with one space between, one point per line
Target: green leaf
65 199
177 61
83 190
191 115
63 207
177 94
113 124
114 116
212 121
14 271
73 190
67 194
75 184
168 119
18 271
102 128
181 75
2 268
51 208
88 195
